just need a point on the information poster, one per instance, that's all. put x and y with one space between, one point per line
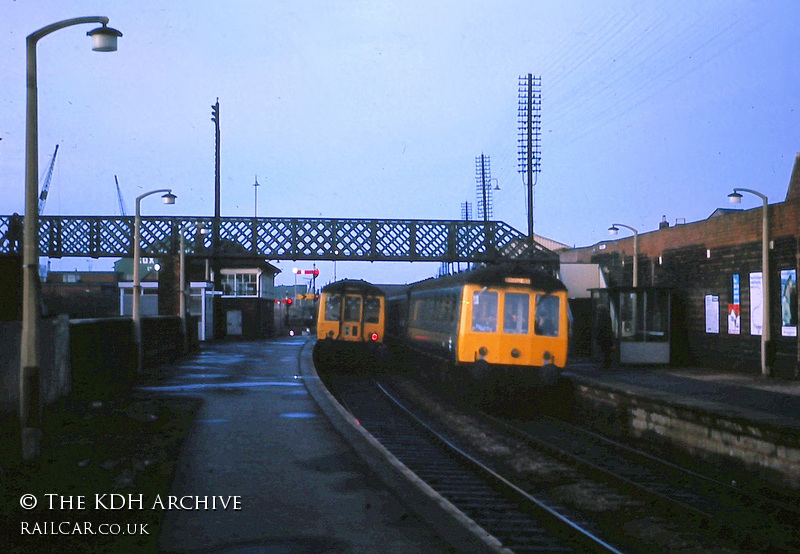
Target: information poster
734 319
735 309
712 313
756 303
789 303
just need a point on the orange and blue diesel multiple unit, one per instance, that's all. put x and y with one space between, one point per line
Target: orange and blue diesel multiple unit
507 322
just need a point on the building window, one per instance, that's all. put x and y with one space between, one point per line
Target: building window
239 284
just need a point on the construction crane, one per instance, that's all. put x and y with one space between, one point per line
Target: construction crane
46 184
122 210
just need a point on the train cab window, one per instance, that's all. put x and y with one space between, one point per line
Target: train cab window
372 310
352 308
547 308
515 313
333 307
484 311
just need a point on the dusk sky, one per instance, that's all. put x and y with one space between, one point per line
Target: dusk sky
377 109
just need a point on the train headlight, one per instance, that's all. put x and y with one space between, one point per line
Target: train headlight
515 353
374 337
548 358
483 351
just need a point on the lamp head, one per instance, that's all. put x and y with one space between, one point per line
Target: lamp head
169 198
104 39
613 230
735 198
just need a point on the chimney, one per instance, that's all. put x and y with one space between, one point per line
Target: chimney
664 223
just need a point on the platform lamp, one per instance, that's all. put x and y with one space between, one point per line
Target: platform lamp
168 198
736 198
104 39
614 229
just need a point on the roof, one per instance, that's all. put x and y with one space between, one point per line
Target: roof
723 211
793 192
494 275
352 285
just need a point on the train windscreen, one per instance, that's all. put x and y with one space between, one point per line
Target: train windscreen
547 308
352 308
515 313
484 311
333 307
372 310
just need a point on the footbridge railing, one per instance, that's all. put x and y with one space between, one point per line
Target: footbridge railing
277 238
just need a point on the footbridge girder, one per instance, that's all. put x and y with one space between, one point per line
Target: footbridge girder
278 238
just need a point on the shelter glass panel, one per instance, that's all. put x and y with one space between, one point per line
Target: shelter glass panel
644 316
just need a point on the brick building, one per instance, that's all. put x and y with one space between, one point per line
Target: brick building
80 294
714 261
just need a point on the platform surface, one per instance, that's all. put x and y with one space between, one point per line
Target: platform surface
734 394
261 437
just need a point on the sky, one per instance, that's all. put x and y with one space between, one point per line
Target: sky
378 109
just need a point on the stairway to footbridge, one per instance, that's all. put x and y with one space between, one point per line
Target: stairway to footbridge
278 238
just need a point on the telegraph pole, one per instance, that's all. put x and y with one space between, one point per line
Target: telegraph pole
482 177
217 215
530 141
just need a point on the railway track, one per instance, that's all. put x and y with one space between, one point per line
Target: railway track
521 522
640 501
759 521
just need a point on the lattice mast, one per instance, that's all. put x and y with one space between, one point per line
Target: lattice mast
466 211
530 139
483 189
122 211
46 182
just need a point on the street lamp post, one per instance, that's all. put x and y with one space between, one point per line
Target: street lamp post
169 198
104 40
736 198
614 229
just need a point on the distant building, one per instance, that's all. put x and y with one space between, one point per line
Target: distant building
81 294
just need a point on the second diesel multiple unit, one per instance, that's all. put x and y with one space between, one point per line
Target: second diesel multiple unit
350 324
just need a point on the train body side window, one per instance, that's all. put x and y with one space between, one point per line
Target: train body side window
333 308
515 313
352 308
372 310
484 311
547 308
416 310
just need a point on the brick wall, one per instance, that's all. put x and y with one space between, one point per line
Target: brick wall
700 258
